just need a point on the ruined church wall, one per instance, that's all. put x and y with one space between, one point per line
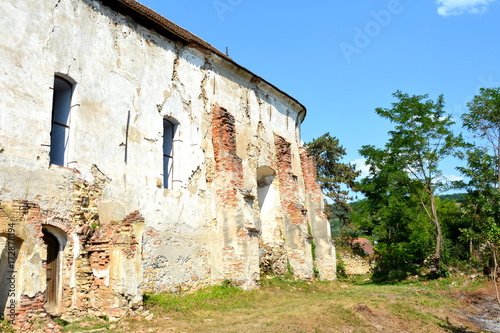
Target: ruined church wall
127 80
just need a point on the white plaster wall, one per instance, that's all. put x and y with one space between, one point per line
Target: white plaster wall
121 68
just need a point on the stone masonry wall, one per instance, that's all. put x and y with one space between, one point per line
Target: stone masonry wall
110 247
295 225
311 184
272 251
228 165
121 231
355 264
90 272
324 249
20 222
240 234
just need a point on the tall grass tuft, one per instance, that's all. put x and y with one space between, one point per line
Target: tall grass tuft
222 297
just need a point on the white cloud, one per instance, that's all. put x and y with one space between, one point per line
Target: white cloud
361 165
448 179
453 178
458 7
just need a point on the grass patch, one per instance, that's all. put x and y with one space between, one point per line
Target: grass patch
282 305
85 325
5 326
222 297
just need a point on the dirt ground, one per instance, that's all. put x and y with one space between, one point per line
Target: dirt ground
478 311
482 308
335 307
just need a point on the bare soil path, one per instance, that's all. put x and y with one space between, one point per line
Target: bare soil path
483 308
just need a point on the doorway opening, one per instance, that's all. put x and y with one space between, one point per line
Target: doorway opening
55 241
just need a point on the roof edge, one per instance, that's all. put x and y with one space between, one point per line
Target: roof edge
156 22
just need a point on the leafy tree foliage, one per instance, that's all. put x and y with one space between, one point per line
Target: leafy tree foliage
403 233
482 199
482 171
393 217
405 175
483 120
456 246
335 176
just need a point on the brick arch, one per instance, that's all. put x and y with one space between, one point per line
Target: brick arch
264 171
58 227
267 185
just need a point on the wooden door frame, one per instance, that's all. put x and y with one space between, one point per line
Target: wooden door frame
61 238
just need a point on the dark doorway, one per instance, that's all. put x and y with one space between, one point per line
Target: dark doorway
8 275
52 271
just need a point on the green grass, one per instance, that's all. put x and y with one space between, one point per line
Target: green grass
282 305
5 326
222 297
86 324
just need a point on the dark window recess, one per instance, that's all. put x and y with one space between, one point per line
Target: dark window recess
169 129
59 135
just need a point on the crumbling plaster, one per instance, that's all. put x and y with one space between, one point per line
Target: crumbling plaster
127 78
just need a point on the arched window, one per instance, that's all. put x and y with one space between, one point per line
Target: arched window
169 129
59 135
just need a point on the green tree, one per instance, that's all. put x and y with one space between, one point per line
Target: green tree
483 120
482 172
456 246
421 139
392 215
335 176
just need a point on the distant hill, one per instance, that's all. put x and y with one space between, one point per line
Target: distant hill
458 197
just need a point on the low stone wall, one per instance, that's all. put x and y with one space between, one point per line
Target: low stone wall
355 264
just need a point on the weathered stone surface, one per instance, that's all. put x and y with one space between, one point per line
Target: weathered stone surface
325 258
241 199
355 264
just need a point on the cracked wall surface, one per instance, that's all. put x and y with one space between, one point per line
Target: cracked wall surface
242 201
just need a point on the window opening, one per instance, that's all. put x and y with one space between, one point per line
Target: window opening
169 129
59 135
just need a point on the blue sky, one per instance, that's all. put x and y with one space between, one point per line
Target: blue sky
344 58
